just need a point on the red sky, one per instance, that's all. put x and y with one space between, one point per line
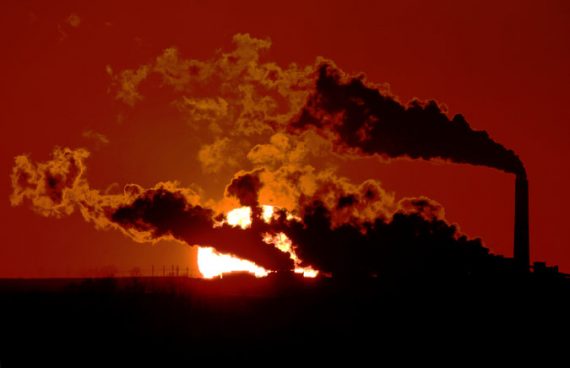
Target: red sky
502 64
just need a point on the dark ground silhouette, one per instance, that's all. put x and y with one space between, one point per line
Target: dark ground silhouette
281 319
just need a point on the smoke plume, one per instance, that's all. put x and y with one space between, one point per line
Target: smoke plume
163 213
361 119
284 130
412 241
245 187
58 187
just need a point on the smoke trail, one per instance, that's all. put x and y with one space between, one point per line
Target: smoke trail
245 187
364 120
162 213
342 229
280 126
414 241
348 231
58 187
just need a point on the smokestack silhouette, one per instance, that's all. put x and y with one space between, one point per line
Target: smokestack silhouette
362 119
521 240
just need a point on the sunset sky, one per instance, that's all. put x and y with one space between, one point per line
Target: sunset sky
502 64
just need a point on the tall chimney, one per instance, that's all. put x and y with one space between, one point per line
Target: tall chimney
522 247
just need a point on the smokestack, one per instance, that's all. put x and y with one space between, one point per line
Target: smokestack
521 246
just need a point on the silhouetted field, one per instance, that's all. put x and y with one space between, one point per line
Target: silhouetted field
277 320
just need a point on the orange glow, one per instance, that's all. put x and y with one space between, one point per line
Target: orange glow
214 264
267 213
284 244
153 140
239 217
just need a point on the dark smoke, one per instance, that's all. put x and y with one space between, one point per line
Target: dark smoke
161 212
364 120
245 188
413 241
409 244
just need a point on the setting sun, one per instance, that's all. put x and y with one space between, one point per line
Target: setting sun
214 264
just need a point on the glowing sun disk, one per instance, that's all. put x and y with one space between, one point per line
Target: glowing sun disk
214 264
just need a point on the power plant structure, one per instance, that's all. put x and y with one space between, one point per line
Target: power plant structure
521 253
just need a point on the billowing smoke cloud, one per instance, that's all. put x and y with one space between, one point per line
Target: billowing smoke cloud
362 119
232 100
245 187
237 101
58 187
351 231
343 229
284 130
411 242
53 186
162 213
